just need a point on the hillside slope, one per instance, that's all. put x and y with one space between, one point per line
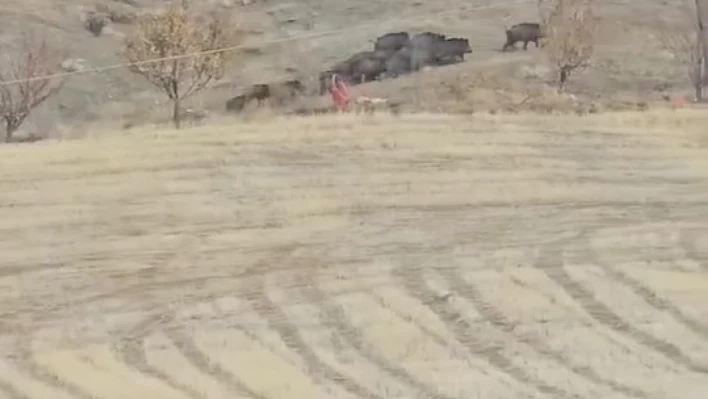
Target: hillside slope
298 39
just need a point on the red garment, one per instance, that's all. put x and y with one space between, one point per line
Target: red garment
340 93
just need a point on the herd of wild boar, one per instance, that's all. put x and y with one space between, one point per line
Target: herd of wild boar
394 54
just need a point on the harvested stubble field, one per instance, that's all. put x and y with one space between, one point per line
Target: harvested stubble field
345 257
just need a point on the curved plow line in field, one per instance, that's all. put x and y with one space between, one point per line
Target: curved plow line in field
472 287
200 361
162 354
377 319
133 353
563 342
676 340
27 363
344 346
19 384
98 371
267 302
461 323
551 262
636 276
422 358
387 376
265 373
657 287
330 355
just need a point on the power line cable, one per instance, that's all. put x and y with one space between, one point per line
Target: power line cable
240 46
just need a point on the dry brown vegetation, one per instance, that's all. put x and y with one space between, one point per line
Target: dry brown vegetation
570 30
343 256
179 52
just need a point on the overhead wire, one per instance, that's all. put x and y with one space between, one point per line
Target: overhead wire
241 46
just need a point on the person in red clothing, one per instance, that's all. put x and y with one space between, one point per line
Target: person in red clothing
340 93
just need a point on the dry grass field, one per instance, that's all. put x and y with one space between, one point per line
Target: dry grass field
423 256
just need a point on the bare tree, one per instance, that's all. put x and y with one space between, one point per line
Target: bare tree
702 20
179 52
569 28
683 40
24 83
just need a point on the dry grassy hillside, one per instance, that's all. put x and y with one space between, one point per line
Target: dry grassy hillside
347 257
309 35
493 253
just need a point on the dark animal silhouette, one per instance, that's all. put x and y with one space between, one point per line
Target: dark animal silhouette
396 54
289 88
285 91
345 68
452 50
361 67
427 36
399 63
295 85
392 42
259 92
524 32
95 23
424 49
236 104
368 68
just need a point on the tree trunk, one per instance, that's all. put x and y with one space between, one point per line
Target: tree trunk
174 94
703 71
699 91
702 14
562 79
176 117
10 129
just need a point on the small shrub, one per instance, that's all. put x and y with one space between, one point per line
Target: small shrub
95 23
570 29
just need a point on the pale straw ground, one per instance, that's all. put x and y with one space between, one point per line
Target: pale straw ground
360 257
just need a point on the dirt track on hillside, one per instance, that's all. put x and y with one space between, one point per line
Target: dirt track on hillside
318 260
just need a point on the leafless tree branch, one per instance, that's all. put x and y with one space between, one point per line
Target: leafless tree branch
33 58
683 40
